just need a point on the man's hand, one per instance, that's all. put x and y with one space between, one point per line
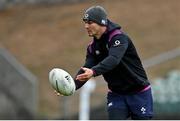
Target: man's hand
57 93
88 73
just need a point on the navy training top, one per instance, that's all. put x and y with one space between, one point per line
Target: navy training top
117 60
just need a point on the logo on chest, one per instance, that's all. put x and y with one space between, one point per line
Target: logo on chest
97 52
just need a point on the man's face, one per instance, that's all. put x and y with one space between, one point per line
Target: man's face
92 28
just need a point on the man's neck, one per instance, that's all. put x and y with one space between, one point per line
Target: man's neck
101 32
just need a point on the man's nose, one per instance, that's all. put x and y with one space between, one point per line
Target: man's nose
86 25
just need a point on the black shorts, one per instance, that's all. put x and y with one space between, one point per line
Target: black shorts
136 106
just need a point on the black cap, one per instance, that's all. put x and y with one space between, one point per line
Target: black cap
96 14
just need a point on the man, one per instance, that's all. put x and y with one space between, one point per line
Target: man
113 55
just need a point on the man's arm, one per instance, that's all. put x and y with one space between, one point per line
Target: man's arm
89 63
119 45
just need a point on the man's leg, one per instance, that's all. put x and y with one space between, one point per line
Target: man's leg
117 114
141 105
117 108
134 117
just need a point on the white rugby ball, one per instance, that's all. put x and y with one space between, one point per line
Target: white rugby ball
62 81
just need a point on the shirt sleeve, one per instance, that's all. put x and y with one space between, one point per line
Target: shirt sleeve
118 47
89 63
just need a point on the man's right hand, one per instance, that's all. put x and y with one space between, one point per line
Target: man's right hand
57 93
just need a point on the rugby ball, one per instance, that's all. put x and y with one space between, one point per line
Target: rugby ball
62 81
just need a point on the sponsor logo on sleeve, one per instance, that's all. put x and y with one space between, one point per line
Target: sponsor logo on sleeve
117 42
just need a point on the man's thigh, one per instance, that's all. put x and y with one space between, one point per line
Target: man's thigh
141 105
117 107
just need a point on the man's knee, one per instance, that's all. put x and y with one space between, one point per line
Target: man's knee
117 114
135 117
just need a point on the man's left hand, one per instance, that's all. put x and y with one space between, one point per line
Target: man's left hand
88 73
